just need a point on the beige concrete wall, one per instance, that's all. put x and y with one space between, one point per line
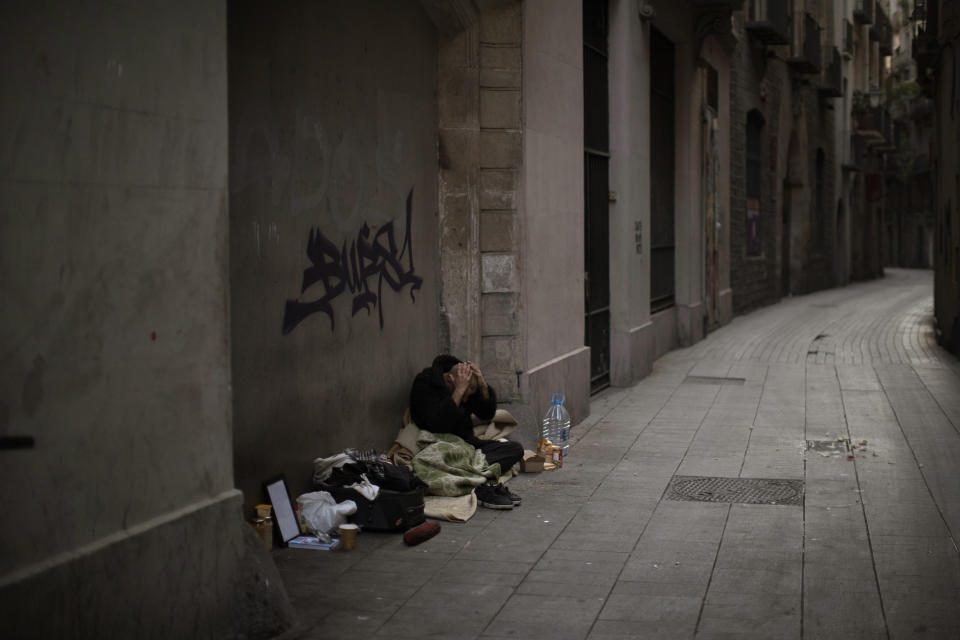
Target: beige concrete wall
123 520
552 252
630 336
333 143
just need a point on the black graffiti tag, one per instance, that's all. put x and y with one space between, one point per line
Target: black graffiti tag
337 270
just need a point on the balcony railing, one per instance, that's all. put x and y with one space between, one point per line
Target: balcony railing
848 37
926 49
805 50
831 83
925 23
769 21
863 11
876 125
884 32
858 153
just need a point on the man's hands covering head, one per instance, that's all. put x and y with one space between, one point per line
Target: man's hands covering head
466 379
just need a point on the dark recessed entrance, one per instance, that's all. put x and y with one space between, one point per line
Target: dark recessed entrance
596 240
662 168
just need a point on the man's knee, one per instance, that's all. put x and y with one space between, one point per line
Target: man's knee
515 448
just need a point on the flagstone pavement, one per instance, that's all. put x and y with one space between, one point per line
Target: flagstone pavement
844 392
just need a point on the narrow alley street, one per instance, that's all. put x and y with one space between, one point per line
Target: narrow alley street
793 475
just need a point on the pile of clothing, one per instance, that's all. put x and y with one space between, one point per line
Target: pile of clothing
366 472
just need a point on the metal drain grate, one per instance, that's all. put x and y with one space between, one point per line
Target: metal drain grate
829 446
712 380
735 490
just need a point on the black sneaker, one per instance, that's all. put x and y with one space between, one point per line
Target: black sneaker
489 497
504 491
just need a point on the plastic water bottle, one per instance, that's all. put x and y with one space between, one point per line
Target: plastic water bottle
556 424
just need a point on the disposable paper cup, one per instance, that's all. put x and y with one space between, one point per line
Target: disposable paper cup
348 536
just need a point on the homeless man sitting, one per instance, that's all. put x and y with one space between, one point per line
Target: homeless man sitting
442 400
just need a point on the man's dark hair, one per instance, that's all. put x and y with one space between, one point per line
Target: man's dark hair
442 364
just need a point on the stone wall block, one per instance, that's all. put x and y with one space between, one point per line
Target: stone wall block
500 57
497 231
500 359
500 108
500 78
497 189
498 273
458 148
504 383
456 219
502 25
457 96
501 314
500 149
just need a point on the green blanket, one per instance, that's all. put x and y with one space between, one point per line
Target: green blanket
450 466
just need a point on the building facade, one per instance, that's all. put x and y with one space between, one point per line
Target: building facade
808 147
909 232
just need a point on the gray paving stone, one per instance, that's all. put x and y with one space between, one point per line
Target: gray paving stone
913 617
746 578
687 521
649 608
675 629
689 574
470 599
589 538
461 619
538 616
533 586
574 576
350 623
843 609
746 616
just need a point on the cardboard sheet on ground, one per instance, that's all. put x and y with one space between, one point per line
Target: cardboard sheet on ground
452 509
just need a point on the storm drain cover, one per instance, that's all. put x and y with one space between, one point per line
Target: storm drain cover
712 380
735 490
829 446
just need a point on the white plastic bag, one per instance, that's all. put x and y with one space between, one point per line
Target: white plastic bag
322 514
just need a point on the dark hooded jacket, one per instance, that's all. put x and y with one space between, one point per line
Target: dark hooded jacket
433 409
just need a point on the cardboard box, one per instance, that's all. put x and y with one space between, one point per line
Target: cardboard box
531 462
